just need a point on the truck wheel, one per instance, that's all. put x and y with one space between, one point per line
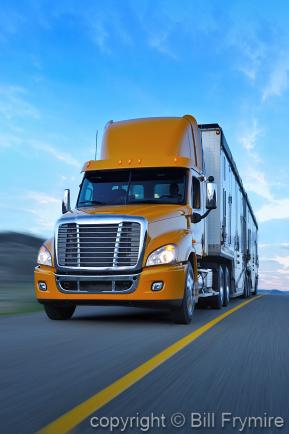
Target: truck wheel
218 286
227 285
55 312
184 313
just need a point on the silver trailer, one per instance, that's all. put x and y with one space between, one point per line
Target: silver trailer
231 230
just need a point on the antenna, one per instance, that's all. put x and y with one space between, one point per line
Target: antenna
96 144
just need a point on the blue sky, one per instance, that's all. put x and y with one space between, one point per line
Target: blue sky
67 67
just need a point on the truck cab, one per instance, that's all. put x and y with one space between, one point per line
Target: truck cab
138 231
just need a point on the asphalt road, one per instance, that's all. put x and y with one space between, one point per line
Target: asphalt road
239 366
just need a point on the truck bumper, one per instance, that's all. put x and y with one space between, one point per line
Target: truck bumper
173 278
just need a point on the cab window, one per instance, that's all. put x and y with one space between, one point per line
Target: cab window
196 193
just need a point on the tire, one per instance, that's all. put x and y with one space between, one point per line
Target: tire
227 286
55 312
245 293
255 292
218 286
184 313
247 286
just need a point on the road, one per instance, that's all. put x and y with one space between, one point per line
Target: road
239 365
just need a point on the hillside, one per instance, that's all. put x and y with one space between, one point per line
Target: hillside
18 254
272 292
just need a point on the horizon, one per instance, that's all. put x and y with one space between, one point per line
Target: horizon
66 69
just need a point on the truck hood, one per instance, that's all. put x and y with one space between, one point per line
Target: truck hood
150 212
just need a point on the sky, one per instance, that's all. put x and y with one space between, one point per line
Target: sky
68 67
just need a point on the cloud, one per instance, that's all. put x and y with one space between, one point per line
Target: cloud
275 209
41 198
99 35
13 103
284 272
106 28
45 208
254 178
248 47
261 51
273 245
277 82
159 41
249 138
270 275
166 25
65 157
281 260
249 71
256 182
10 22
105 24
8 140
274 282
38 210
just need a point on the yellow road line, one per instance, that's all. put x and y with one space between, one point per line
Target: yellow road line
64 424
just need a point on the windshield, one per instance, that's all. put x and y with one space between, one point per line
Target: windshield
120 187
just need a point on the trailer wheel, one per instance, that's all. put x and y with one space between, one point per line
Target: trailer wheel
247 286
250 286
55 312
184 313
245 293
227 285
218 286
255 292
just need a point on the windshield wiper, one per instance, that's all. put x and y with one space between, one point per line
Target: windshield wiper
136 201
92 202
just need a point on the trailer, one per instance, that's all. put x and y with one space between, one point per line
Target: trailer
232 229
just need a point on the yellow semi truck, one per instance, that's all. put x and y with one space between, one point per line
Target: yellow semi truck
146 229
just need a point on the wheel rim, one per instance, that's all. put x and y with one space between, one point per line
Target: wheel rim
227 292
189 293
227 288
222 294
221 291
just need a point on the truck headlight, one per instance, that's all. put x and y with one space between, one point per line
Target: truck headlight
44 257
164 255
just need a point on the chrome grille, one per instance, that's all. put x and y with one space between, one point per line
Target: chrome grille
101 245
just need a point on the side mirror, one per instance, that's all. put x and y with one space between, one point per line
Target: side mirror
66 201
211 197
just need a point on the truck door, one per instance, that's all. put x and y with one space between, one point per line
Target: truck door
198 229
